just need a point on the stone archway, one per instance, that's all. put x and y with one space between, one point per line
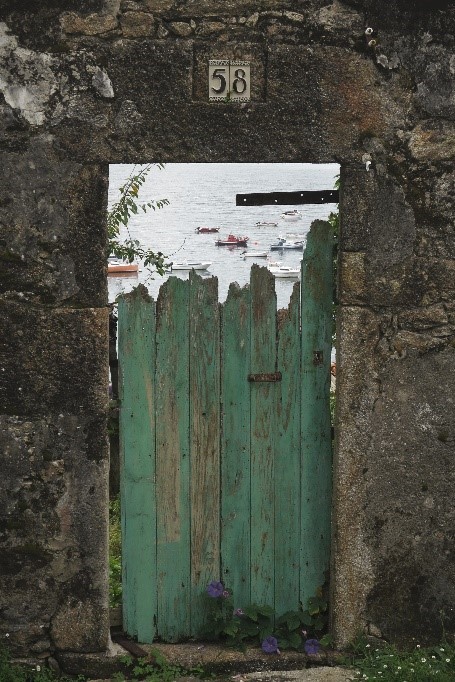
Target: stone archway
127 81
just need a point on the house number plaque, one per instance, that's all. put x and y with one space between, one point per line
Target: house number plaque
229 80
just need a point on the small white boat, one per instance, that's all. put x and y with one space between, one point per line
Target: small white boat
291 216
254 254
264 223
190 265
293 236
205 230
284 271
273 263
284 243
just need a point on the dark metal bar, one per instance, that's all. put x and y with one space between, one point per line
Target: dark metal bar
133 648
324 196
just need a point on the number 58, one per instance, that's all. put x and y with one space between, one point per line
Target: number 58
229 80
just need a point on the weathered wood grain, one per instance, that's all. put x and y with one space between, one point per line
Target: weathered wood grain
136 334
316 445
235 444
204 401
263 431
287 476
173 460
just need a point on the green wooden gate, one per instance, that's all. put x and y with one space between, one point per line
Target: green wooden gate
226 471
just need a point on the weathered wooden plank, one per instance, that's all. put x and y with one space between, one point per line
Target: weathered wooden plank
204 402
263 428
287 459
316 433
172 460
137 451
235 444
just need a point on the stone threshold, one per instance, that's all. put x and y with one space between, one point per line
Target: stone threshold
213 658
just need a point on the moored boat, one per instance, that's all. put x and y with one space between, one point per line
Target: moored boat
204 230
232 240
190 265
254 254
115 265
293 236
284 243
264 223
284 271
291 216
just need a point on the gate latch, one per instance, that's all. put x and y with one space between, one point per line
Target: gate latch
271 376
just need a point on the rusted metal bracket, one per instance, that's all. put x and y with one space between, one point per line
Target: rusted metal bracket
271 376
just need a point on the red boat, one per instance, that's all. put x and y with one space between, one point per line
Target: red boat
232 240
203 230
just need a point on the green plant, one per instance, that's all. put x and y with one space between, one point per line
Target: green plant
10 672
332 403
115 554
155 668
292 630
112 417
387 663
129 249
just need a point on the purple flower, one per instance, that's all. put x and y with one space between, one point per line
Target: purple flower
215 589
270 645
239 612
311 646
226 594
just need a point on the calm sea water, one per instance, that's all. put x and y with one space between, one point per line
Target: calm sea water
204 194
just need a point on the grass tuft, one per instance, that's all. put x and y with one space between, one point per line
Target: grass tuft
115 554
387 663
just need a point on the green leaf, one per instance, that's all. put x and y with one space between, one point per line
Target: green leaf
306 618
317 602
265 611
231 629
251 612
295 639
249 628
265 632
319 623
326 640
293 622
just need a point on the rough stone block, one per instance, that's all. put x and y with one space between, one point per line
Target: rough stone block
357 371
352 277
181 28
93 24
137 24
54 533
409 519
202 8
53 238
54 360
433 141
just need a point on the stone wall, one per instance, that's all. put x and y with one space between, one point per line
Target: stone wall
126 81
